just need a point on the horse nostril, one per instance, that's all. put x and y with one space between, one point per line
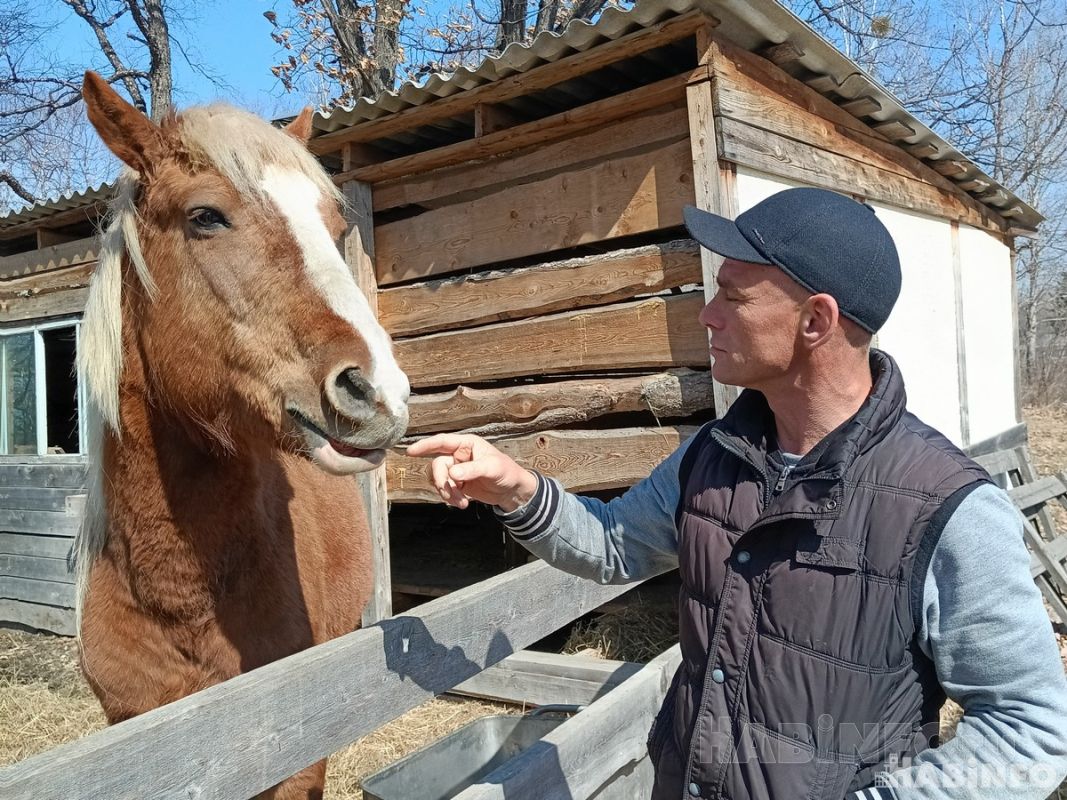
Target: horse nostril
352 394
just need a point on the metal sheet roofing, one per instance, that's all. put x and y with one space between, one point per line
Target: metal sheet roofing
751 24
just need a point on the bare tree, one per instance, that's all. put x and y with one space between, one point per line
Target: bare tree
353 45
362 49
39 92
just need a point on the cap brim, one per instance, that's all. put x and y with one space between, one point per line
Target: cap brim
720 235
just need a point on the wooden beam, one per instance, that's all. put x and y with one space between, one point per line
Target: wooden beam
570 761
894 130
658 332
711 194
499 295
772 153
34 567
61 475
511 410
243 736
950 168
523 83
637 131
490 118
73 216
355 155
50 523
862 106
48 258
583 461
359 255
35 544
557 126
36 615
47 237
30 590
43 305
622 196
924 150
782 54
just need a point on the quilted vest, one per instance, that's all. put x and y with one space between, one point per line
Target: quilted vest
801 676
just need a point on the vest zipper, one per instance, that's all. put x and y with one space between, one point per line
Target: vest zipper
726 445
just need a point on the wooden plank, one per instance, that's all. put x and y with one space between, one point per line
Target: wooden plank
464 182
777 155
619 197
51 593
44 305
359 255
36 568
1015 436
558 126
510 410
581 755
70 278
1055 550
531 678
753 91
658 332
62 475
581 460
999 462
1029 496
523 83
52 523
511 294
34 544
48 258
39 616
243 736
29 498
711 194
1039 549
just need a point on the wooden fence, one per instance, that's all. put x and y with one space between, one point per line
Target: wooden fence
243 736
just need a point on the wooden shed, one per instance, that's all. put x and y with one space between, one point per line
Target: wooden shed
520 226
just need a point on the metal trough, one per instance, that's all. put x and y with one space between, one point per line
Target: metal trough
453 763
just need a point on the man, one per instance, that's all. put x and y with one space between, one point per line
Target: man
843 565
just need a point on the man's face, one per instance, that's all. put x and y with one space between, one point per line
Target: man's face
754 319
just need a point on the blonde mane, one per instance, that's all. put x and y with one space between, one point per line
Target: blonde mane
236 144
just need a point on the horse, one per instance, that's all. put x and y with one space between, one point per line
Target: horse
237 379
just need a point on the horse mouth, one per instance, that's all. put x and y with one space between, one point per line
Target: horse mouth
331 454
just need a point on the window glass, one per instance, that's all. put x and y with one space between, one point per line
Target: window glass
20 400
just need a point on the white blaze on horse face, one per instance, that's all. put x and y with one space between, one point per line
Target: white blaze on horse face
298 199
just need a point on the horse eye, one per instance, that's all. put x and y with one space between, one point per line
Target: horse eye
208 219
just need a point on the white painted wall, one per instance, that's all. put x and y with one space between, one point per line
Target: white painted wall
922 334
988 321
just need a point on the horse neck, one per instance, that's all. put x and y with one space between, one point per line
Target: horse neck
165 483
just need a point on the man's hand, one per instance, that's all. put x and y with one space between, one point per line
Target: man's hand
468 468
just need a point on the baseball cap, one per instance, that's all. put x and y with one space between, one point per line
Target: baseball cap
825 241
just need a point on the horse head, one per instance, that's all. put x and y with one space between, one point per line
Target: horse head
222 296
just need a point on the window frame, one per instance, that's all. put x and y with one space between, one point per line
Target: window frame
40 387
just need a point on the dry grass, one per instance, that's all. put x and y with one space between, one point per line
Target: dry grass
45 702
637 633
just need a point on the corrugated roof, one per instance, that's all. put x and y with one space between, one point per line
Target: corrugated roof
751 24
67 202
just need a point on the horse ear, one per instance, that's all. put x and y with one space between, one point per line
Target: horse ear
300 128
128 133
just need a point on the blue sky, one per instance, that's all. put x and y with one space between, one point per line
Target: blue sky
229 39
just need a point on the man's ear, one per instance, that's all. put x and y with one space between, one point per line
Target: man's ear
818 319
128 133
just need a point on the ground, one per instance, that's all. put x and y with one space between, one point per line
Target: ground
45 702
